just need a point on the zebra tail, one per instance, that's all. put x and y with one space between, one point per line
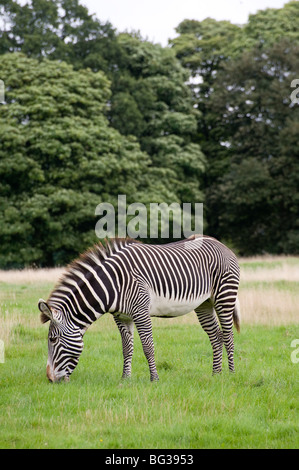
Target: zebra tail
237 315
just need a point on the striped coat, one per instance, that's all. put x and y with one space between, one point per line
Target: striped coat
134 282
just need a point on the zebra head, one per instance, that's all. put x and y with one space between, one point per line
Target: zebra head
65 343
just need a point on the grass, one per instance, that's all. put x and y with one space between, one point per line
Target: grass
269 293
257 407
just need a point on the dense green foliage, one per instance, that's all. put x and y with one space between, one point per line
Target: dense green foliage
57 157
91 113
248 125
260 181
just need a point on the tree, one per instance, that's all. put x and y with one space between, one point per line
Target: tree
58 159
240 78
149 97
203 47
254 203
57 29
151 101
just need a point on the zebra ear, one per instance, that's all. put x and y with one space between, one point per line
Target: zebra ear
46 314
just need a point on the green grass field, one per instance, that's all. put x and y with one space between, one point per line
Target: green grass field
257 407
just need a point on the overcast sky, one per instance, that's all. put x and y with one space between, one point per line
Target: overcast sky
156 19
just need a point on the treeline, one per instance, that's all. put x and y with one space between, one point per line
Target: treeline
91 113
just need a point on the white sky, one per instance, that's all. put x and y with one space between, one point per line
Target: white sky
156 19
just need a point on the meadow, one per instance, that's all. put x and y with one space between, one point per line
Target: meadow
257 407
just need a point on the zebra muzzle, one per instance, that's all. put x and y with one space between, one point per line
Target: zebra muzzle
52 378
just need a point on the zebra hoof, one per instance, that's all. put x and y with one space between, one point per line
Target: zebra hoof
125 377
155 379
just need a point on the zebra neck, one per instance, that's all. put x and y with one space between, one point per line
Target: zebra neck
81 318
86 293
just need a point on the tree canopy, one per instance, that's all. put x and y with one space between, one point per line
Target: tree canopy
149 96
59 158
91 113
241 82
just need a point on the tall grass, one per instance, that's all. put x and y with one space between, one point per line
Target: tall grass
269 290
31 276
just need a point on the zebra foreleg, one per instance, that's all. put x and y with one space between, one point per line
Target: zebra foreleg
208 320
144 327
126 329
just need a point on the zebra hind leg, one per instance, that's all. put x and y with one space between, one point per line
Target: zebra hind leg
225 316
126 329
227 309
208 320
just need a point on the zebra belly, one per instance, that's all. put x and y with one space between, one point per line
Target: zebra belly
163 307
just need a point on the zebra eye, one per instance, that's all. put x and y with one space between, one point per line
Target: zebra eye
53 339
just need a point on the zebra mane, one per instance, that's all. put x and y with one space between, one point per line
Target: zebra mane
92 256
100 251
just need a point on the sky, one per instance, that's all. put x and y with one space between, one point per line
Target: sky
157 19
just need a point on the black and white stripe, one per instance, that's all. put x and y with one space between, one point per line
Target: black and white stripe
135 282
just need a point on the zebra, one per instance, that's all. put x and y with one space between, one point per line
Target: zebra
134 282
